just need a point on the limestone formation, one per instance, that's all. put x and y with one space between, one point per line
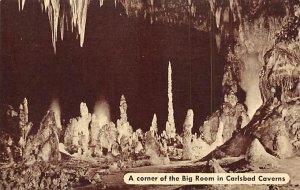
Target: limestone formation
124 128
97 122
107 136
44 146
214 167
154 150
199 149
77 132
136 144
153 127
187 135
24 123
257 156
282 144
170 125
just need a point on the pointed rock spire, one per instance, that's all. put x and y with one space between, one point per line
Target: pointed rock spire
153 127
170 125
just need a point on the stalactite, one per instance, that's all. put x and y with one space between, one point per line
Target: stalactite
101 3
78 15
59 15
62 26
21 4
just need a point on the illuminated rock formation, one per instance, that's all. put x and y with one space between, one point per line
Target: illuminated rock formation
233 117
24 123
154 150
282 144
77 132
44 146
153 127
257 156
107 136
279 113
170 125
123 126
187 135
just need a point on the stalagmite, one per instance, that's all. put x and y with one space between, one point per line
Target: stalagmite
219 137
44 146
56 110
153 127
77 132
24 123
123 126
257 156
187 135
282 144
170 125
108 136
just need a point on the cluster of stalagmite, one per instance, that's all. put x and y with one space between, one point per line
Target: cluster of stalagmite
94 135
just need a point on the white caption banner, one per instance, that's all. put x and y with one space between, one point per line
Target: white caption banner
205 178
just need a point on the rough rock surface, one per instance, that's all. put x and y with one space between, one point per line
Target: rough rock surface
279 86
124 128
77 134
257 156
154 150
187 135
154 127
44 146
232 118
214 167
107 136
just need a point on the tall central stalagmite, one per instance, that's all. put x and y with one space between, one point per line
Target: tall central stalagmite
170 125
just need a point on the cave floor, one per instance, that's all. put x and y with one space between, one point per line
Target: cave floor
114 180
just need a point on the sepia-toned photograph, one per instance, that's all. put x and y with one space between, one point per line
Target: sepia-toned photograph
95 94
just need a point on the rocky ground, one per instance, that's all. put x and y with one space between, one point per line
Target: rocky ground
100 174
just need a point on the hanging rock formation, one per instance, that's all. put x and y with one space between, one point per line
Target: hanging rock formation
64 14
